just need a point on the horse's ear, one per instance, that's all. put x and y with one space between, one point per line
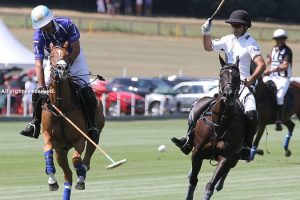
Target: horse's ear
222 62
237 62
66 44
51 46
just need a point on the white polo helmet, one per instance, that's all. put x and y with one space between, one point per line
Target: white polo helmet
41 16
280 33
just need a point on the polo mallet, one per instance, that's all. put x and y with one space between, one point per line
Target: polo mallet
217 11
111 166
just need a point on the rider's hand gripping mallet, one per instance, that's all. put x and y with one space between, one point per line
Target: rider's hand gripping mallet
111 166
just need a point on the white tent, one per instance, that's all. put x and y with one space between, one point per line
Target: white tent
12 52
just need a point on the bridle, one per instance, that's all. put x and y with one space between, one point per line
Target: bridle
232 83
59 68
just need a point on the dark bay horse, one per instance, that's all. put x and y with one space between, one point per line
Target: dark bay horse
265 95
59 134
219 132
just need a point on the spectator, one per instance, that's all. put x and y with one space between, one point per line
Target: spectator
110 7
100 6
116 5
139 7
148 7
30 86
2 92
128 7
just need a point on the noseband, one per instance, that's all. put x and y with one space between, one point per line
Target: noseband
59 70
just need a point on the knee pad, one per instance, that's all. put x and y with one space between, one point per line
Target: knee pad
89 94
39 95
252 115
251 121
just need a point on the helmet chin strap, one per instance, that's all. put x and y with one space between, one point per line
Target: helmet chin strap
244 31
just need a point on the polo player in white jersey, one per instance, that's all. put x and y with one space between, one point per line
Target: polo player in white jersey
280 71
238 44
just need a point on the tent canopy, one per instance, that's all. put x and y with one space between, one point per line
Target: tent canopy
12 52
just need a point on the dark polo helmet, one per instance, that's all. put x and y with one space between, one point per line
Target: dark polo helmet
239 16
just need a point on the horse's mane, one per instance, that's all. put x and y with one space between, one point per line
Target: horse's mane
295 85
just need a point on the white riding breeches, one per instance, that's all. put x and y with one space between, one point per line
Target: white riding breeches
282 85
247 99
79 70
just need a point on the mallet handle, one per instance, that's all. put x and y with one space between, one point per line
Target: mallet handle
217 11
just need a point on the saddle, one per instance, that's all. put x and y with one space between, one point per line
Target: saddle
289 96
199 107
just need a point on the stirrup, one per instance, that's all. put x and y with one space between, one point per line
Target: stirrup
186 148
180 142
28 131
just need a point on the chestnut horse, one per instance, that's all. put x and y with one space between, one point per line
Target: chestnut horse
219 132
265 95
59 134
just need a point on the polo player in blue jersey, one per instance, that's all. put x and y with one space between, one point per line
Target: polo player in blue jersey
58 30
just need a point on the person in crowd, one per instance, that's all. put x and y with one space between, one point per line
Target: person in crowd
139 7
100 6
280 71
240 45
30 86
128 7
148 7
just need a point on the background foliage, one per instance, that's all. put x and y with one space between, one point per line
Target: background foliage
264 10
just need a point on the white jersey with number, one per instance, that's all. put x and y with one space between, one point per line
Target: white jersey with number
246 48
282 78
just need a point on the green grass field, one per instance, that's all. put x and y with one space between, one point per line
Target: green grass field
149 174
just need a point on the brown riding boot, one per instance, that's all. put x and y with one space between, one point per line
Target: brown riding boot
279 118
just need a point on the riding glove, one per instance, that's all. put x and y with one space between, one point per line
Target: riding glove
206 27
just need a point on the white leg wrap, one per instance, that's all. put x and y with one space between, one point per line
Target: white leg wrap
51 179
80 179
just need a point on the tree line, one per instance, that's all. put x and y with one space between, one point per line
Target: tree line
261 10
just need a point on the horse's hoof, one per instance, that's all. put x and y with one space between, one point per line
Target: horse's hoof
260 152
219 187
80 186
207 195
53 187
288 153
190 193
